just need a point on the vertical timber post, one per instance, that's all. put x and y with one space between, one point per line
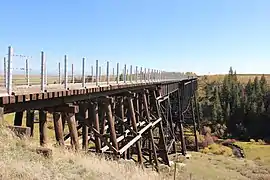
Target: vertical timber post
134 126
197 110
171 125
122 116
95 118
18 118
193 100
43 134
110 118
73 130
1 115
85 129
145 103
64 119
194 124
165 156
58 128
181 89
30 116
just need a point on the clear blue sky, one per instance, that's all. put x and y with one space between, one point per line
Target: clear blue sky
199 36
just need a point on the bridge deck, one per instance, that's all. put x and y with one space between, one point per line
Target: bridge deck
75 92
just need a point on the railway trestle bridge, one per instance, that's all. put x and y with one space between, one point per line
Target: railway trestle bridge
137 116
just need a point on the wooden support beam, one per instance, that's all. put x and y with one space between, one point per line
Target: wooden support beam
58 128
145 103
102 118
18 118
164 153
171 125
137 107
126 126
43 130
83 112
72 126
123 129
197 112
194 125
68 135
122 137
136 138
104 140
1 115
30 117
64 120
134 126
94 113
107 107
181 90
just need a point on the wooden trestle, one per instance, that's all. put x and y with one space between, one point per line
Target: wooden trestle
142 124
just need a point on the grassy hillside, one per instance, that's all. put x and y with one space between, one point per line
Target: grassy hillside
20 161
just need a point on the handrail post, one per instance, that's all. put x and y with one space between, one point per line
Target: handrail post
83 72
125 73
145 74
9 74
59 73
130 76
108 72
92 74
112 74
72 73
65 72
97 73
141 74
5 72
27 72
100 74
149 75
136 76
42 72
117 73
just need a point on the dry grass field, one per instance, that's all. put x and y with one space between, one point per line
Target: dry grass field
19 161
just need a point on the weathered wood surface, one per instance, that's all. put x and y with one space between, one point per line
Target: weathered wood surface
31 93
